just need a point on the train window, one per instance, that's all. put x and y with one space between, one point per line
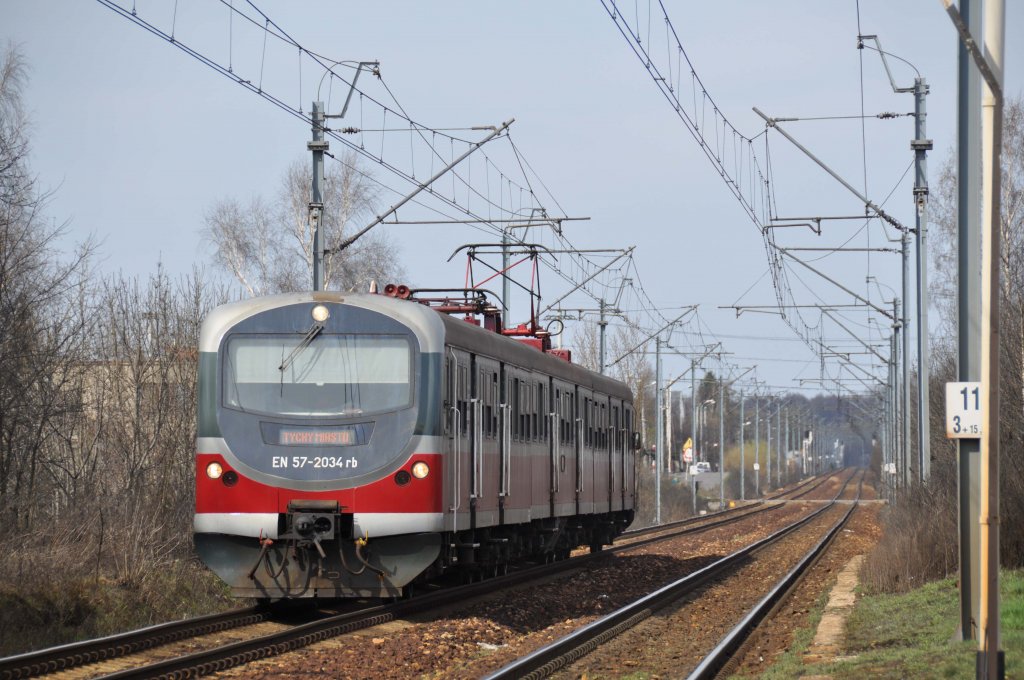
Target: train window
525 396
628 426
562 406
524 409
604 425
616 429
335 374
513 401
534 434
463 398
447 394
588 422
486 408
572 415
543 434
520 409
494 403
564 418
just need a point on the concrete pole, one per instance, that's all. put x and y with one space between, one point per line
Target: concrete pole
693 405
969 313
991 662
659 423
693 429
721 442
743 454
506 282
789 447
893 402
921 146
778 447
757 446
602 326
668 430
901 414
905 382
768 452
316 204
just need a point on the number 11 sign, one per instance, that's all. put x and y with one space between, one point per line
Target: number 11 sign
963 410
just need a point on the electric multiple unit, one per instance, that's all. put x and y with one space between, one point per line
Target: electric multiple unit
350 444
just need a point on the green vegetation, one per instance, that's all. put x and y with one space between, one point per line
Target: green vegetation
910 635
54 612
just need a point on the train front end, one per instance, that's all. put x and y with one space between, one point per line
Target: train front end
318 465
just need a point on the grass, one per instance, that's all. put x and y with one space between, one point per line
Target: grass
61 609
911 636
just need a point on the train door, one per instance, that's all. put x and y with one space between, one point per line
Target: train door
584 450
486 448
615 464
628 459
602 454
458 406
543 464
563 452
523 433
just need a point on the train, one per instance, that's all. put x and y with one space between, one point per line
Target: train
352 445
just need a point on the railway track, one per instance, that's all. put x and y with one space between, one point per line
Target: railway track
711 520
568 649
55 659
322 625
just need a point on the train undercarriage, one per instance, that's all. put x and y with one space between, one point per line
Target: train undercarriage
317 555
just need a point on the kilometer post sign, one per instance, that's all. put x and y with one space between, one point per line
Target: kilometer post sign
963 410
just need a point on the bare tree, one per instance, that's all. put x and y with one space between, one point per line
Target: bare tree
268 247
587 349
943 243
636 371
41 319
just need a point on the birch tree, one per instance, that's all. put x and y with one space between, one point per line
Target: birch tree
267 245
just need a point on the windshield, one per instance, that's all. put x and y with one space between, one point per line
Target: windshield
335 375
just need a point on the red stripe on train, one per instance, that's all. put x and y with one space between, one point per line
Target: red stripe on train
382 495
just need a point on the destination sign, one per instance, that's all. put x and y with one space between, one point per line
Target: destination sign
307 436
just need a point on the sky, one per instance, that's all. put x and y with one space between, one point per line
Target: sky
137 140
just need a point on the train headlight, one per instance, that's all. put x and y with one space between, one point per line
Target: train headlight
214 470
420 470
321 313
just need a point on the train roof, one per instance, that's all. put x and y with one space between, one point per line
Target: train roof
478 340
424 322
431 327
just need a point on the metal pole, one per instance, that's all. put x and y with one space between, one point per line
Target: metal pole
316 204
602 326
921 145
969 312
659 422
743 459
